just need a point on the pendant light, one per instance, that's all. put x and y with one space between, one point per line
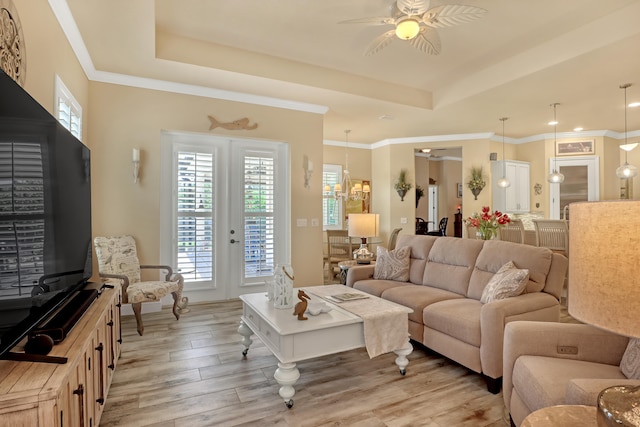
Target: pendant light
555 177
503 182
347 189
626 170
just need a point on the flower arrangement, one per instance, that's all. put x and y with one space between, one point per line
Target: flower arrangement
401 185
477 182
487 222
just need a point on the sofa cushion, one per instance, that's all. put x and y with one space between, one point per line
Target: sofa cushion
392 265
458 318
509 281
630 363
417 297
496 253
377 287
542 381
420 247
450 263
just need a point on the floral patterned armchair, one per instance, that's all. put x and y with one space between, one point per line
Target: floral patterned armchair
118 259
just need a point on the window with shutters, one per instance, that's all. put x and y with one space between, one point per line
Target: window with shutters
331 208
259 190
21 217
68 110
195 215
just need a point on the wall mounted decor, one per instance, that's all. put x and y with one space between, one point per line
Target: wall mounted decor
240 124
575 148
12 51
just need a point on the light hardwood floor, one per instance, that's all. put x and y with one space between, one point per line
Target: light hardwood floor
191 373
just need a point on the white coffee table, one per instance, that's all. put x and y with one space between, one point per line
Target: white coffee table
292 340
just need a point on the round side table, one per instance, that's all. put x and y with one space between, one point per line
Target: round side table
562 415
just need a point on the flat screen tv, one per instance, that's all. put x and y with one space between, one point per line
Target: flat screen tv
45 214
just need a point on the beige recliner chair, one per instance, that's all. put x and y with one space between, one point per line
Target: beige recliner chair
547 364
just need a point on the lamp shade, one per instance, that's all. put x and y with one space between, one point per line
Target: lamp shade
364 225
604 265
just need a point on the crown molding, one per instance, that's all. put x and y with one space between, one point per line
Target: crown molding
63 14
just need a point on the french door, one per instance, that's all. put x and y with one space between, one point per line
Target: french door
225 227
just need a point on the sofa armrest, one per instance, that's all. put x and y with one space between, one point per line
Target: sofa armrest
585 391
545 338
538 306
359 272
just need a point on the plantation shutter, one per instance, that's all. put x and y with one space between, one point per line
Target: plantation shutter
331 208
259 198
195 219
21 217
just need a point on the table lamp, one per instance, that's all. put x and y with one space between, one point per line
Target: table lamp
363 226
604 285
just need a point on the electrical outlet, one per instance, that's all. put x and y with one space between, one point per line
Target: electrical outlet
567 349
403 220
301 222
315 222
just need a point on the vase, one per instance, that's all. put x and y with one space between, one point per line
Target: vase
283 286
486 235
401 193
475 192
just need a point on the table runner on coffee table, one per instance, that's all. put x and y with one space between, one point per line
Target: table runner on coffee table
385 323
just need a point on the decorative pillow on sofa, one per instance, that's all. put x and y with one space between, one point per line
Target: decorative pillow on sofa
392 265
630 363
509 281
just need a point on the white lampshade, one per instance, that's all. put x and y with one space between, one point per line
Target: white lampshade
604 265
364 225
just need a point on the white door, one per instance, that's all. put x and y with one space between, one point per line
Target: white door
581 183
226 227
433 207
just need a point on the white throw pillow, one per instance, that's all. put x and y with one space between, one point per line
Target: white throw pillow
509 281
630 363
392 265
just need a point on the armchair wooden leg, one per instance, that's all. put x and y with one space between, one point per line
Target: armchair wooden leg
137 311
179 304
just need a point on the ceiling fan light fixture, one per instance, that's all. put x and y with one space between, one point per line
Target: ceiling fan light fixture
407 28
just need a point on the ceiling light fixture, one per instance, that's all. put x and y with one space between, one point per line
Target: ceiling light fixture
407 28
503 182
347 190
578 129
634 104
626 170
555 177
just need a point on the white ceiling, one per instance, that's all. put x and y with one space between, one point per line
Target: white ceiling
519 58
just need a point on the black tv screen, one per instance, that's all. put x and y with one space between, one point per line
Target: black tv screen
45 214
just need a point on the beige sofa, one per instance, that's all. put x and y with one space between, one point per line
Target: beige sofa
446 278
547 364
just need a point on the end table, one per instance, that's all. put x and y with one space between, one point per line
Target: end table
344 268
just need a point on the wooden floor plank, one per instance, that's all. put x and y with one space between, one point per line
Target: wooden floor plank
191 373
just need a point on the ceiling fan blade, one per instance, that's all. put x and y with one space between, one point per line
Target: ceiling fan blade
378 20
427 41
450 15
380 43
413 7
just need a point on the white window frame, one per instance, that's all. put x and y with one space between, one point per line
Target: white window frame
71 116
337 170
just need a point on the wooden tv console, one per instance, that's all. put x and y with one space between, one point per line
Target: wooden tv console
70 394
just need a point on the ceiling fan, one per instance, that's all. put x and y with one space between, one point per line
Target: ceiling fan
416 23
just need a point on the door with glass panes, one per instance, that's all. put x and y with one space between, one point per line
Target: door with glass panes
229 229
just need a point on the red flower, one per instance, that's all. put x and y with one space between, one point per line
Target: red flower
488 223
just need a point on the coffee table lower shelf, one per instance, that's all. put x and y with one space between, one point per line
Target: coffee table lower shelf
291 340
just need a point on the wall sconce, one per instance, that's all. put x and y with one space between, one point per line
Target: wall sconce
136 164
307 165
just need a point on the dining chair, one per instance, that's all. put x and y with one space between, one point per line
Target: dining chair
513 231
552 234
442 228
118 259
393 238
472 232
339 248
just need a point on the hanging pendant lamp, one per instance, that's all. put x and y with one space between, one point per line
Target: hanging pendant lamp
504 181
626 170
555 177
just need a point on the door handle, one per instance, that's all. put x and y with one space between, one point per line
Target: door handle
234 241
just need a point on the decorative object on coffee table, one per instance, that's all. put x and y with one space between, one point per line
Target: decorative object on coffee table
476 183
283 286
487 222
402 186
301 307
